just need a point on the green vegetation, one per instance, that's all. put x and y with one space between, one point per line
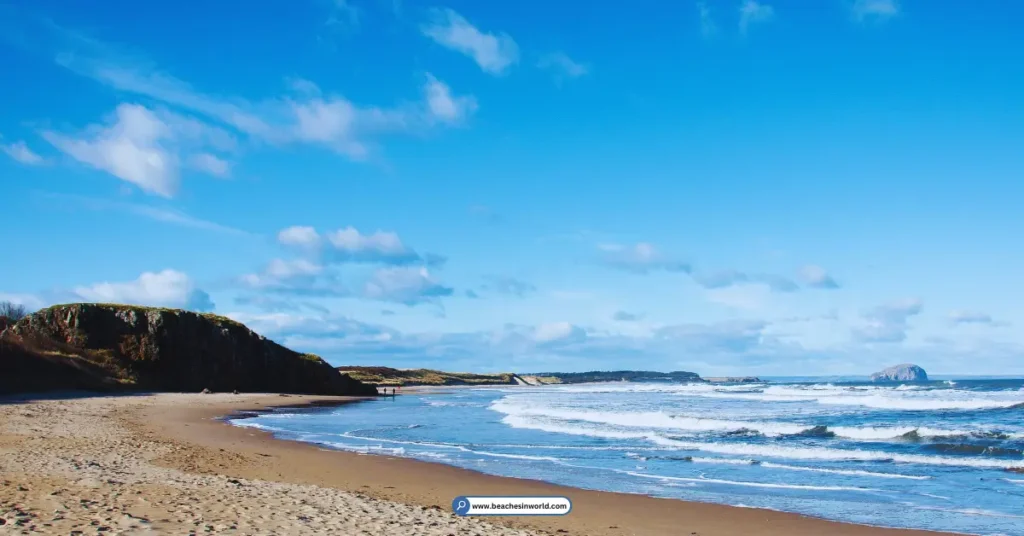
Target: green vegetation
386 376
214 318
311 357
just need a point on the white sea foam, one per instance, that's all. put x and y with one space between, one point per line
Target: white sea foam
850 472
910 398
969 511
748 484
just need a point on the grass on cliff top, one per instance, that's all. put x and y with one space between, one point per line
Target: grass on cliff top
399 377
215 318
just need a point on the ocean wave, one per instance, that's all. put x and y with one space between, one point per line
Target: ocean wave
363 449
891 400
647 419
765 451
658 420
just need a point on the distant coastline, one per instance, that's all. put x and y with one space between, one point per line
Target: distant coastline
393 377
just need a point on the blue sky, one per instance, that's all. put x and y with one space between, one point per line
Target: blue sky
754 187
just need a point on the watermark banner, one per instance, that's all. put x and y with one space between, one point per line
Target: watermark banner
511 506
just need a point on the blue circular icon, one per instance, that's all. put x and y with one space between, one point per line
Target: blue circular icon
460 505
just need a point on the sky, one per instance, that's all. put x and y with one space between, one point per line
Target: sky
764 187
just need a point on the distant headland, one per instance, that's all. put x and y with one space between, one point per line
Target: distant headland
114 347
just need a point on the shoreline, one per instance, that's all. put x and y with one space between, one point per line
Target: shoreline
710 518
214 463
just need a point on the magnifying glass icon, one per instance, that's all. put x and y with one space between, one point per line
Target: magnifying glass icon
460 506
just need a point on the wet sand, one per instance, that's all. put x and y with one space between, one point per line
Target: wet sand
167 464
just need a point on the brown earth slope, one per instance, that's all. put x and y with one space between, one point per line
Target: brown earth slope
126 347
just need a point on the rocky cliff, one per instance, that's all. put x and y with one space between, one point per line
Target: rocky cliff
124 347
905 372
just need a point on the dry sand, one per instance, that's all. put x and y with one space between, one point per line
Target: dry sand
164 464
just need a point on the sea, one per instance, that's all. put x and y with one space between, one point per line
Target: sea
942 455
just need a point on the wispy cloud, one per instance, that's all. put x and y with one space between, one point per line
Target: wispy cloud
143 147
210 164
510 286
20 152
444 106
816 276
878 10
960 317
349 245
753 12
562 66
641 257
161 214
728 278
303 114
493 52
405 284
708 27
888 322
624 316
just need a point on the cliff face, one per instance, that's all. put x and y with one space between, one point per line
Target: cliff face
89 346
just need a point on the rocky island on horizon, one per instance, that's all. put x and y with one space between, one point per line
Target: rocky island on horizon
904 372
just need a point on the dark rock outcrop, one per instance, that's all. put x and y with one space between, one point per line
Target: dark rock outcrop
905 372
125 347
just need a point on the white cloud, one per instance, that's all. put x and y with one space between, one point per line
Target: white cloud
141 146
281 271
562 66
888 322
404 284
816 276
875 9
132 148
299 235
641 257
210 164
753 12
20 152
445 107
168 288
380 246
494 53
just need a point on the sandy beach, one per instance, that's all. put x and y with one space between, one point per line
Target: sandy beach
165 464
